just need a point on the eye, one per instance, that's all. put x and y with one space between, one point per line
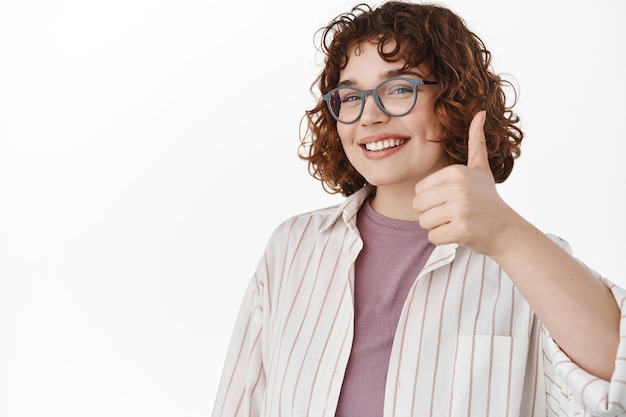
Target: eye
401 89
350 96
396 89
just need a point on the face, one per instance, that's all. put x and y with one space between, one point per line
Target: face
390 151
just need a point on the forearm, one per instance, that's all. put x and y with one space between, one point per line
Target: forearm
578 310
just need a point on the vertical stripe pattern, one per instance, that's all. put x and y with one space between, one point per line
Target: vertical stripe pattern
467 343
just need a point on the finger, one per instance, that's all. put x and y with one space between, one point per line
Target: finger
477 155
436 217
435 179
441 235
430 198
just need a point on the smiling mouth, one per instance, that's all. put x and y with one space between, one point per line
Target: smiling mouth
381 145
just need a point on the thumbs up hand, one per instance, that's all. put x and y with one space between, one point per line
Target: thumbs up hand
460 204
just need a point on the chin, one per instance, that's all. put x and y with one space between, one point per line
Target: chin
381 182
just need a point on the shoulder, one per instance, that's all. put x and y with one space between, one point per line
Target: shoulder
308 223
295 243
320 221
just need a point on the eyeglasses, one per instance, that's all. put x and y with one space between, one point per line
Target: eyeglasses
395 97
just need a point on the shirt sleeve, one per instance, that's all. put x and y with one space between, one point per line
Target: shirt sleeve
570 390
242 384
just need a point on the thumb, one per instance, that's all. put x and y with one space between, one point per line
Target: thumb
477 155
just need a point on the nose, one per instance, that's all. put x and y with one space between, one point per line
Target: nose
372 114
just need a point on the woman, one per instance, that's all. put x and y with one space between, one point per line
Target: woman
423 294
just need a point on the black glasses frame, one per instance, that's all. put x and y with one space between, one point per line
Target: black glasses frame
363 93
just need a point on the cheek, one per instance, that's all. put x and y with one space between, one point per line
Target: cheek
341 130
437 131
433 129
345 134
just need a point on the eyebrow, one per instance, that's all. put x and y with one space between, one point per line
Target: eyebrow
384 76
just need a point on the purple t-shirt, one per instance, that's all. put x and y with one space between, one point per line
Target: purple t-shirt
394 252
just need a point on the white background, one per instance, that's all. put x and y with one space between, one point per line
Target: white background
148 149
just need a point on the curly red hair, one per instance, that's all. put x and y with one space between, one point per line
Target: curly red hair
421 35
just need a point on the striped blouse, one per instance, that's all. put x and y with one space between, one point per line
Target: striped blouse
467 343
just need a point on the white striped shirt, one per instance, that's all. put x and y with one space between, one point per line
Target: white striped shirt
467 343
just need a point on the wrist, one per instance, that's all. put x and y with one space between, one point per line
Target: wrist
512 231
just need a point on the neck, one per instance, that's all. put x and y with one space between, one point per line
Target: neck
395 202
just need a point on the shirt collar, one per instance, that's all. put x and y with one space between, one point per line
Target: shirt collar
349 208
443 254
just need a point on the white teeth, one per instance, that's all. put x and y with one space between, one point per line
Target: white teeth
383 144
